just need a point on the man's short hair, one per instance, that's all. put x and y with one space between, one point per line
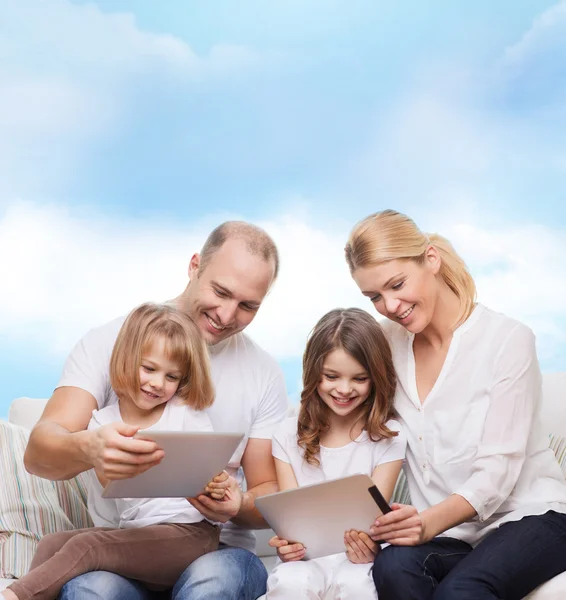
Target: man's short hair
257 241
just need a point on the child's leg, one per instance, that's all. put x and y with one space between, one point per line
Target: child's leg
299 580
352 581
155 555
51 543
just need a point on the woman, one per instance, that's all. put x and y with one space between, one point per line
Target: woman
489 501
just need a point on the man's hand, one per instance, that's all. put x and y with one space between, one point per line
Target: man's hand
403 526
116 455
221 510
360 548
286 551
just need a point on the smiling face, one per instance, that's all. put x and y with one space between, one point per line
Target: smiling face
344 383
159 377
404 291
224 298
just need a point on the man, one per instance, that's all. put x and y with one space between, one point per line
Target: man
228 281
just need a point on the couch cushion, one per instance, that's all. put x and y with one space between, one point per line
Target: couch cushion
4 583
553 407
25 412
30 506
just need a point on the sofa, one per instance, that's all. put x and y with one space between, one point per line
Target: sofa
50 506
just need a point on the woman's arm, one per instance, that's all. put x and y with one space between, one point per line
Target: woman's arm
500 456
360 548
405 526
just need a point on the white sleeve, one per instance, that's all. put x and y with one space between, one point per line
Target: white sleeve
88 365
273 406
390 449
280 442
514 395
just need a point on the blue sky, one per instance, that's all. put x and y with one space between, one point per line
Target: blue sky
128 129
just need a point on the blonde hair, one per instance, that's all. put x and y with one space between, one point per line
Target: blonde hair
183 345
389 235
357 333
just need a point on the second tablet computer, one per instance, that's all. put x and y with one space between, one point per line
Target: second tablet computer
318 515
191 460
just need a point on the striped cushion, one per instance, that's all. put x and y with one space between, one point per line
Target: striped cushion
31 507
401 491
558 445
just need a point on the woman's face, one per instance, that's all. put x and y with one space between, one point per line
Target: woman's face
402 290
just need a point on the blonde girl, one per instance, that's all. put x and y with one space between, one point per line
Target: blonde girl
160 372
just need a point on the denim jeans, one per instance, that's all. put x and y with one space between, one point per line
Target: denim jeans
226 574
507 565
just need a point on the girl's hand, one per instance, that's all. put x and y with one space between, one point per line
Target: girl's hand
217 487
360 548
403 526
220 510
287 552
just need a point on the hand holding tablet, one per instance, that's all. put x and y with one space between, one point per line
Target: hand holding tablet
191 461
317 516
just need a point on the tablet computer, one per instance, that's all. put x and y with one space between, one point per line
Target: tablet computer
318 515
191 460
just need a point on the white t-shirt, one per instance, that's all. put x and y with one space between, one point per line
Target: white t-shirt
250 393
125 513
478 433
359 456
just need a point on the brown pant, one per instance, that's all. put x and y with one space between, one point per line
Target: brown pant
155 555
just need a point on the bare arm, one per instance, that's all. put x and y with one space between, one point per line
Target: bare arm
60 447
57 447
261 478
286 479
385 477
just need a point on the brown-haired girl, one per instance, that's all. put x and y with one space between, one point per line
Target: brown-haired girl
160 372
344 427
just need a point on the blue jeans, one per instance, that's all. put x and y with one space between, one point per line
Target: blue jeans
508 564
226 574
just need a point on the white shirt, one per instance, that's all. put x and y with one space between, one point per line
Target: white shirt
250 393
478 432
359 456
125 513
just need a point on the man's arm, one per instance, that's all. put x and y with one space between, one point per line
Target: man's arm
261 478
60 446
57 447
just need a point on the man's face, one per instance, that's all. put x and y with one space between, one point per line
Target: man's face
224 298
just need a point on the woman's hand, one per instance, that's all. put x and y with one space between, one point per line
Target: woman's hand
360 548
287 552
403 526
216 488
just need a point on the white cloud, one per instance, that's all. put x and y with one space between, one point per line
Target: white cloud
547 32
68 78
65 274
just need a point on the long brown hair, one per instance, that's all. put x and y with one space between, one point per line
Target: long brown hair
390 235
183 345
357 333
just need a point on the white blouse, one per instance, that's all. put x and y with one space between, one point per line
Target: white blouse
478 432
